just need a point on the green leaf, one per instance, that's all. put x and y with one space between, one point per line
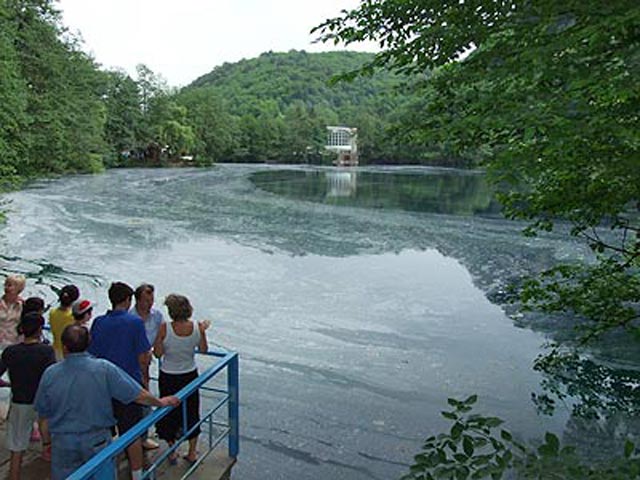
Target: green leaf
467 445
471 400
441 456
460 457
462 473
629 448
529 133
449 415
552 442
493 421
456 430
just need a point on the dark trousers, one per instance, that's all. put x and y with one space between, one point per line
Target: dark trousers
170 427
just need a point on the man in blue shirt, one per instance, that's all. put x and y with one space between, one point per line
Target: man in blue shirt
151 319
75 397
120 337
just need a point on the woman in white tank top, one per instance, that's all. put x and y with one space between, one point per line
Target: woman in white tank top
175 345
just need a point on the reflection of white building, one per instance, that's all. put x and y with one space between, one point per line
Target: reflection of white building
341 184
343 141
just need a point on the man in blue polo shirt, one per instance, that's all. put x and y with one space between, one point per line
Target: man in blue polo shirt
75 397
120 337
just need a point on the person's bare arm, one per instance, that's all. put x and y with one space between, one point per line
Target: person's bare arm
3 368
158 347
146 398
144 359
203 346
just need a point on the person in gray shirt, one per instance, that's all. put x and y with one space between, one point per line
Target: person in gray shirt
75 397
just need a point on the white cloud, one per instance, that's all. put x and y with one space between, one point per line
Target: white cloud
184 39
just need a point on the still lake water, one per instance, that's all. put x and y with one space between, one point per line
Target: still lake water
357 301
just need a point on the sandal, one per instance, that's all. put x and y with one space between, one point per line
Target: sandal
190 461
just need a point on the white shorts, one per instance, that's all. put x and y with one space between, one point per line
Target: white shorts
19 426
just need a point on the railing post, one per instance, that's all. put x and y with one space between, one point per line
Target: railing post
234 406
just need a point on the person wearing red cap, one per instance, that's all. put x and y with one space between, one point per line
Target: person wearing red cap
81 311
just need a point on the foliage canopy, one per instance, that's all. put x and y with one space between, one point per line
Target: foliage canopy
548 92
478 446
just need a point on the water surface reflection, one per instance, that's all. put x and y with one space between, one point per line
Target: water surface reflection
353 324
431 191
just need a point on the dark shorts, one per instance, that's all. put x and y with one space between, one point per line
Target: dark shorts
127 415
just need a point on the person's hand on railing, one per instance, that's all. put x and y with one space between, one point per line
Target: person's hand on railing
170 401
146 398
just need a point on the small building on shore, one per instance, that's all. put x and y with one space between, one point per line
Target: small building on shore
344 142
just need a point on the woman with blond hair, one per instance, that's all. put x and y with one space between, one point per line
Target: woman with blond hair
175 344
11 309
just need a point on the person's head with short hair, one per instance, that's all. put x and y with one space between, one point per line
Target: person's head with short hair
142 289
68 294
75 338
33 304
179 307
82 310
120 295
14 285
31 325
145 297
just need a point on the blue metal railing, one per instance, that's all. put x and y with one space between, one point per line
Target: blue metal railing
225 361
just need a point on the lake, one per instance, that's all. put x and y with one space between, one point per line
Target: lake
357 299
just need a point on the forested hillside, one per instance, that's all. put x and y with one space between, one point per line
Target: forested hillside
278 106
60 112
51 114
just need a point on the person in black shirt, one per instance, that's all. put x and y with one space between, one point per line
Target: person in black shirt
26 362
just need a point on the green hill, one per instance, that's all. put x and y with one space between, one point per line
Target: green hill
275 108
284 78
62 113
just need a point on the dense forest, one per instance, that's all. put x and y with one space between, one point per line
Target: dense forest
276 107
51 112
62 113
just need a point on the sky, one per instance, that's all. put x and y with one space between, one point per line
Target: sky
184 39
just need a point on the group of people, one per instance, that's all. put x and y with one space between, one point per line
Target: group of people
93 382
